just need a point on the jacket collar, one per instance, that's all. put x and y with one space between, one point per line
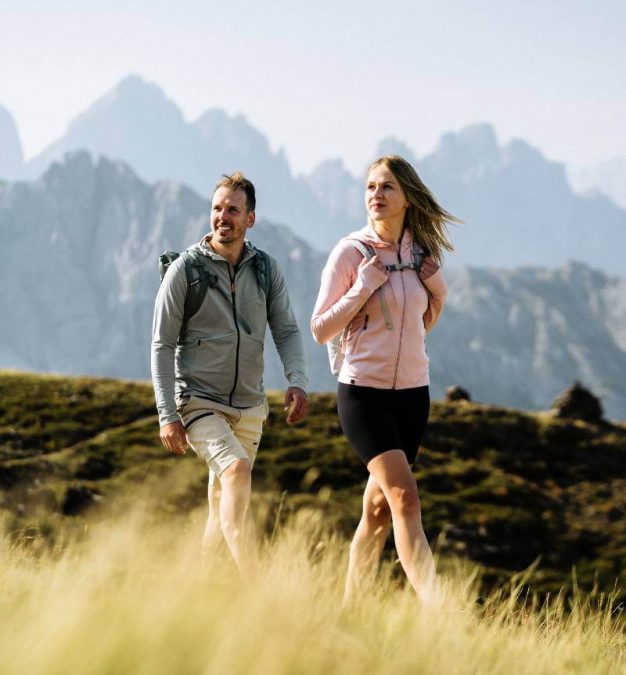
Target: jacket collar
369 235
204 247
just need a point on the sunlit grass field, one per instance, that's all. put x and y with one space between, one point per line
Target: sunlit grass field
127 594
100 545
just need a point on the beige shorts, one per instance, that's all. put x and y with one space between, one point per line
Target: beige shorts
220 434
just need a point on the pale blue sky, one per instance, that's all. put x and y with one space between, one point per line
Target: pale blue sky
330 79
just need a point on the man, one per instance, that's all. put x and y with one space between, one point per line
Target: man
207 374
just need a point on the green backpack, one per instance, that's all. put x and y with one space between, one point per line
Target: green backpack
200 277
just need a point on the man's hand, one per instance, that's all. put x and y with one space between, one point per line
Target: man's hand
174 438
296 405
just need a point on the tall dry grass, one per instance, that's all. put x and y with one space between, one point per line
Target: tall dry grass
129 595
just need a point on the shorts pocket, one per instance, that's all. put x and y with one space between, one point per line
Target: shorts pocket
196 417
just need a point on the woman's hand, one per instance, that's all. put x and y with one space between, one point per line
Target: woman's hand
372 273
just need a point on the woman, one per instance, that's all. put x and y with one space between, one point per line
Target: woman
382 290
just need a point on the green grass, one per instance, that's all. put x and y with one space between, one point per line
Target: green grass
498 487
127 594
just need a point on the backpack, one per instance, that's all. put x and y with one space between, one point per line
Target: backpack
335 345
200 277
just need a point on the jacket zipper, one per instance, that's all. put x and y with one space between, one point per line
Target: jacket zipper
395 375
232 291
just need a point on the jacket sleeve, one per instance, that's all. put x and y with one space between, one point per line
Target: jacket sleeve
432 278
168 318
285 331
344 289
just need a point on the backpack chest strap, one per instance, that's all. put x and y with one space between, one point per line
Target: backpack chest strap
398 267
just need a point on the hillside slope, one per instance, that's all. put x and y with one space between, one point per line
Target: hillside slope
499 487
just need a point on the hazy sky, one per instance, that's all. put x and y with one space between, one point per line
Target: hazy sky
330 78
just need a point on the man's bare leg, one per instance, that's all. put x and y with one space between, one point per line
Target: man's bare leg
213 544
234 509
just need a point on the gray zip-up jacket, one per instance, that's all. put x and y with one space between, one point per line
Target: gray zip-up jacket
220 356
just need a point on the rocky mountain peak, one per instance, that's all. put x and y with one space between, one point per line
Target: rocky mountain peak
11 158
330 170
394 146
133 105
474 144
135 121
234 131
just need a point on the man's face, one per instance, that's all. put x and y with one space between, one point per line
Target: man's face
229 216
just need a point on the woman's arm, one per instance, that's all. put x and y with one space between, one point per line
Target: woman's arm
347 283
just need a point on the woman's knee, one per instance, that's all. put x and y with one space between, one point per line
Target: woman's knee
404 501
377 512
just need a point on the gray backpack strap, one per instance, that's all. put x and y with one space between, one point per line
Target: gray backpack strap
165 260
419 254
336 344
415 264
366 250
199 280
369 252
263 271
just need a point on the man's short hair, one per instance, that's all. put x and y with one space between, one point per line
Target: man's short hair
237 181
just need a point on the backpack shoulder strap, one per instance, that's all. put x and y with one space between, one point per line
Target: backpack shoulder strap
165 260
366 250
263 271
419 254
199 280
336 345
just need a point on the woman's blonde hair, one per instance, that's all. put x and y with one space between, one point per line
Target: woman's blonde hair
425 218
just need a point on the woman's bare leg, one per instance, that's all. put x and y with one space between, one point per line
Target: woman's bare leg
369 539
392 473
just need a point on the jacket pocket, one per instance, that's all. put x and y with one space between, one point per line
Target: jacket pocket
250 362
355 329
209 360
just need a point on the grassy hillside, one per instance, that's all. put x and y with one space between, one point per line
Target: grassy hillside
133 598
498 487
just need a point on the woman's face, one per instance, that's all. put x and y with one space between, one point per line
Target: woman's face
384 197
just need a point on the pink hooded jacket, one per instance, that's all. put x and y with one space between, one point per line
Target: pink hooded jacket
379 353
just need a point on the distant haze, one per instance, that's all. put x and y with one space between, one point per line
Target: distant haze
327 79
81 247
608 177
517 206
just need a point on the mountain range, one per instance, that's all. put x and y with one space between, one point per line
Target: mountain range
81 246
518 208
11 156
608 177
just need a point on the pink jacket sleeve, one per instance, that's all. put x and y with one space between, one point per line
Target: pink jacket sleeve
345 288
432 278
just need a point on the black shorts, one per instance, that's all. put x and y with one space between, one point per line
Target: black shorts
377 420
